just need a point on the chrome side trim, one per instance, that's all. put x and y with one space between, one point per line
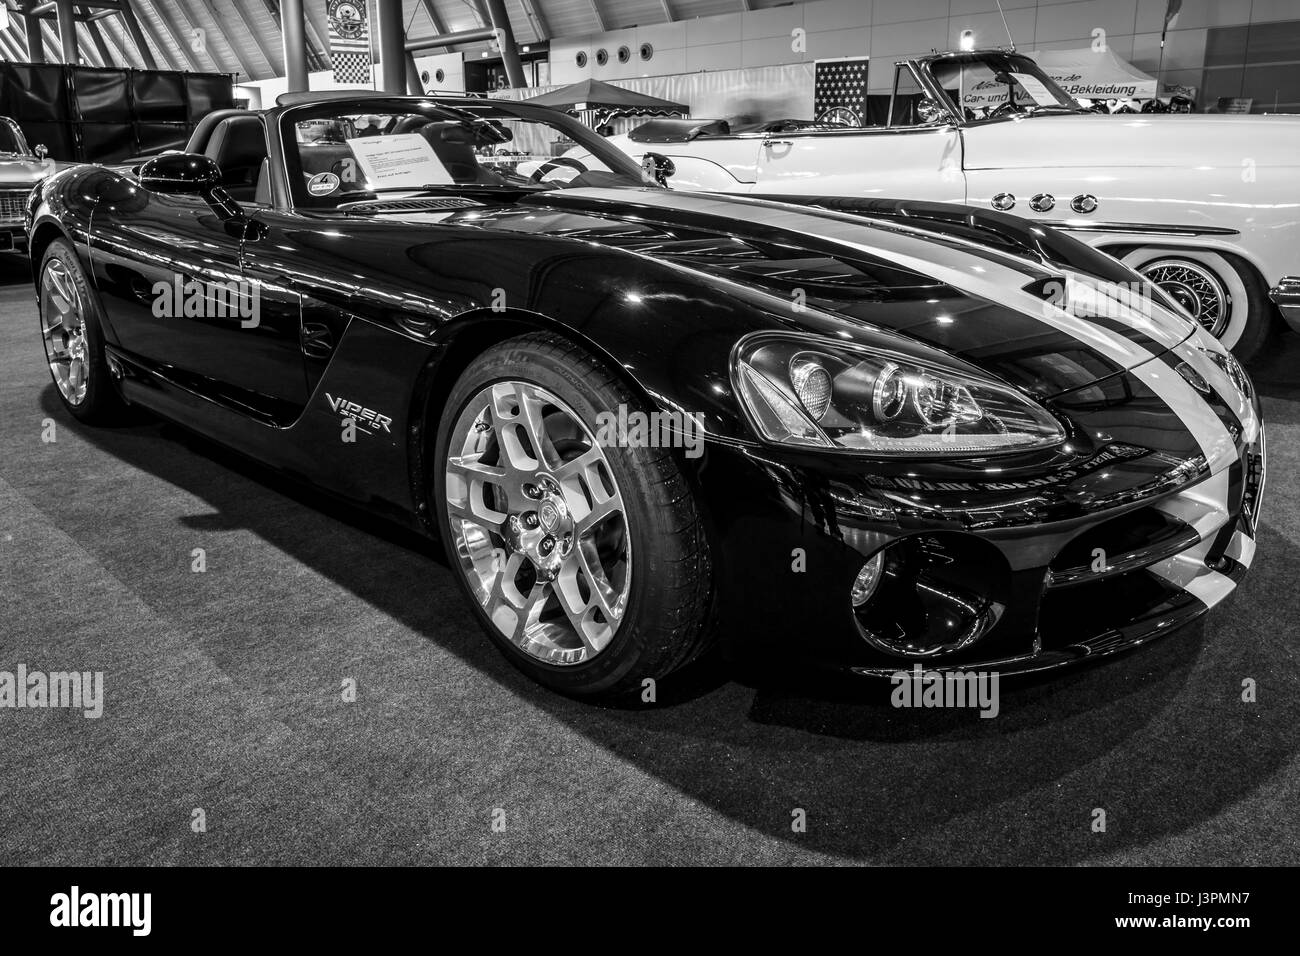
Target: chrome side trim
1143 228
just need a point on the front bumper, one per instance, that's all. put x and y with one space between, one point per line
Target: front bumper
1019 567
1286 296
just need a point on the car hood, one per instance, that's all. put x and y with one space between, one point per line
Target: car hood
846 275
1133 140
16 172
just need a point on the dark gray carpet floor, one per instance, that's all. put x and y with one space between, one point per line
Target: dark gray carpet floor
223 693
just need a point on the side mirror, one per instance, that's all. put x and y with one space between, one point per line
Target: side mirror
185 174
192 174
41 152
656 167
928 111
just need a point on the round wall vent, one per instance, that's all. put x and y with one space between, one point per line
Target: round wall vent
602 56
581 58
624 54
647 51
424 76
441 75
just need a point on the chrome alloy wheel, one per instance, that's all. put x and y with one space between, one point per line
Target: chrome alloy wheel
63 328
1196 288
538 523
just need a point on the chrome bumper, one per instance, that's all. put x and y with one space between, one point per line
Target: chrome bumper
1286 296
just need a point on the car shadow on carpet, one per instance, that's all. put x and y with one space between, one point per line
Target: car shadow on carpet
1160 740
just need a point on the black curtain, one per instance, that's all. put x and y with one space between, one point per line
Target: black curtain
92 114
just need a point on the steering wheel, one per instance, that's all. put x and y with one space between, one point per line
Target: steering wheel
551 165
1007 107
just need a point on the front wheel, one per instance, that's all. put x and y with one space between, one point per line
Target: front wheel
585 560
1221 293
74 338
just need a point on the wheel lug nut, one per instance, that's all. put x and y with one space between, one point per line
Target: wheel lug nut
548 543
532 491
530 520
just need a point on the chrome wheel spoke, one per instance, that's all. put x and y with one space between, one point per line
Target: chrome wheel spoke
520 429
603 595
598 513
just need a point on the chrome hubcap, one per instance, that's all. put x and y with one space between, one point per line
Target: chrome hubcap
1194 287
538 523
63 328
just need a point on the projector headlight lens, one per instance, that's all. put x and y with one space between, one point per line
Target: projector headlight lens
812 386
801 390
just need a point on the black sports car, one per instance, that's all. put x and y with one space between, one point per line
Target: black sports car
642 420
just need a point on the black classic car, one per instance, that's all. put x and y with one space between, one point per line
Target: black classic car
865 433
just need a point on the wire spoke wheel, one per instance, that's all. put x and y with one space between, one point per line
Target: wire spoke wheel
63 329
538 523
1196 288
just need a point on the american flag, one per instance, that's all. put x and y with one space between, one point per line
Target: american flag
349 41
840 84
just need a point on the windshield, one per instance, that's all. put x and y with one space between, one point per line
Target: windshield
985 85
9 141
353 151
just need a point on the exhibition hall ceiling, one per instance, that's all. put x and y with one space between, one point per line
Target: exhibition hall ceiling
243 36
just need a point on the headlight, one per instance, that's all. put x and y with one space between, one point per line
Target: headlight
805 391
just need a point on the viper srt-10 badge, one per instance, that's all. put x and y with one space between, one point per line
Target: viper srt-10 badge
364 417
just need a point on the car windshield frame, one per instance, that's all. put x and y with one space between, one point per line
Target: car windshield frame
440 109
998 62
19 140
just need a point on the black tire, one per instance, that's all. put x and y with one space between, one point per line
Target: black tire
102 404
665 622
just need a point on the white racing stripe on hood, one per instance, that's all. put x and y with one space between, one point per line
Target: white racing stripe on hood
1196 353
986 273
1197 416
995 279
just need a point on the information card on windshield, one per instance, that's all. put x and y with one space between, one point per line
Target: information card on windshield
404 160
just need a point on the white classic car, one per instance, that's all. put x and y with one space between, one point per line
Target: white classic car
21 170
1208 207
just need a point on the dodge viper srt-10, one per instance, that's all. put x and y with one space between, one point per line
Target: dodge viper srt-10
894 433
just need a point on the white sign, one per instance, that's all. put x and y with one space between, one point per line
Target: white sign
402 161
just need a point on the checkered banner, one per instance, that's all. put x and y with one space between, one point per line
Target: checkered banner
349 41
840 89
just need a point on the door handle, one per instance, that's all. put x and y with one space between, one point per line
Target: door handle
141 288
769 143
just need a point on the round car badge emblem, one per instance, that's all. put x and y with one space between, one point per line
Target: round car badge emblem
1003 201
322 184
548 515
1194 378
1084 203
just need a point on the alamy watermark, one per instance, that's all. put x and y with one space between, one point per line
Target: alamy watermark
631 428
76 690
922 688
192 299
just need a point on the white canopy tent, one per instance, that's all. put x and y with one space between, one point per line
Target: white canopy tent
1096 75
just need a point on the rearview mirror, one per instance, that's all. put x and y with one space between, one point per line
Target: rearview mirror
185 174
657 167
